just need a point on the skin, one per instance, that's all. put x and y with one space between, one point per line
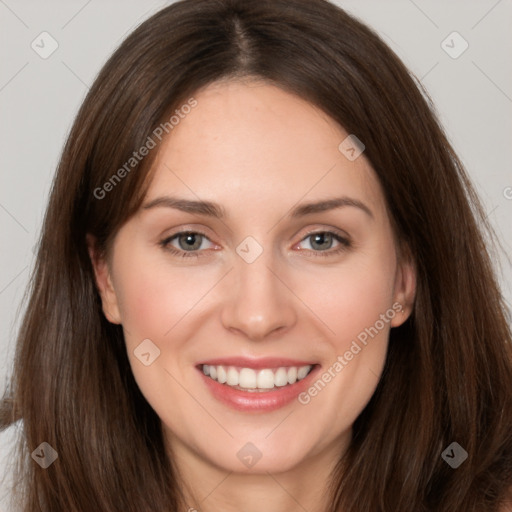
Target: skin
257 151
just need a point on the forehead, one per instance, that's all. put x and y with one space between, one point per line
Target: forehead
251 144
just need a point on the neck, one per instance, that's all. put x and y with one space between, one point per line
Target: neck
210 488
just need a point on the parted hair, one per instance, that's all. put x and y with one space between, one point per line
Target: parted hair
448 371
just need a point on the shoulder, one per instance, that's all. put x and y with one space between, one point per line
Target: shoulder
8 438
8 442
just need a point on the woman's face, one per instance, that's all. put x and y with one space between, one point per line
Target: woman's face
263 293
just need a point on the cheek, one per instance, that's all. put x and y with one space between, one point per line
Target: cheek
359 311
350 302
144 303
154 296
354 296
144 293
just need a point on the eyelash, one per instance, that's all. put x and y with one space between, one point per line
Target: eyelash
344 244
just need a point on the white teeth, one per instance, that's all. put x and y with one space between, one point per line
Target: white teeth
233 377
248 378
302 372
265 379
292 375
221 374
281 377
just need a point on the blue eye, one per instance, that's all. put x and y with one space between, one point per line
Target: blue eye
186 239
321 239
190 243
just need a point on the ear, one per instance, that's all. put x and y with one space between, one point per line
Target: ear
404 290
103 281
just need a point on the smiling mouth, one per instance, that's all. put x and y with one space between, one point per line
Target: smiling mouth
261 380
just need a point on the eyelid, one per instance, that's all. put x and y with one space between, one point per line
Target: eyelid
165 242
343 239
326 229
182 230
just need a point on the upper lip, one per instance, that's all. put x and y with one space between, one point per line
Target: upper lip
255 363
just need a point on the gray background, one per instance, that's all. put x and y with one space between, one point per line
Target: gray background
39 98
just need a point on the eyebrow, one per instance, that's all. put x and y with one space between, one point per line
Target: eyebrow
215 210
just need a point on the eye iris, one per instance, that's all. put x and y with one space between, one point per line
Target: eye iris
192 241
189 241
318 238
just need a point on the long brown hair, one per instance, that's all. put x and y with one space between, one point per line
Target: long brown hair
448 373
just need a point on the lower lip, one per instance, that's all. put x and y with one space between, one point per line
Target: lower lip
258 400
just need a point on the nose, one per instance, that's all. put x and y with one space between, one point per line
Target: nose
259 303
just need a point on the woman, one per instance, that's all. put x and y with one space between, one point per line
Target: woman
191 344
